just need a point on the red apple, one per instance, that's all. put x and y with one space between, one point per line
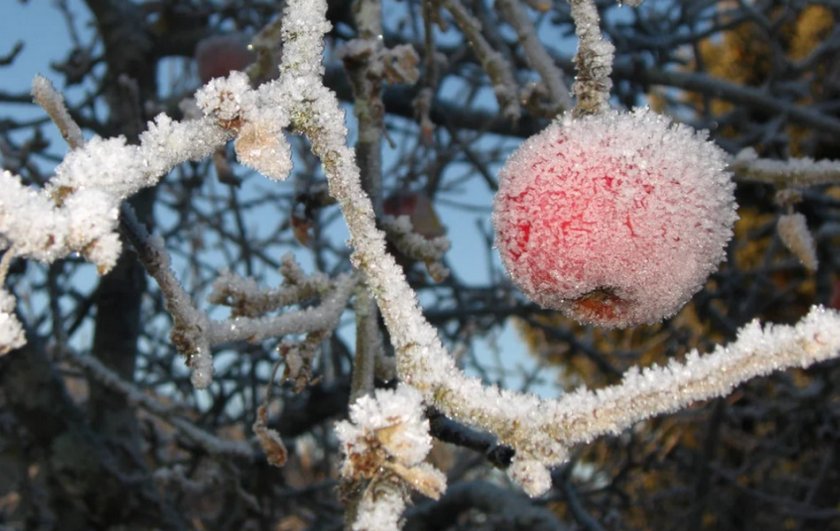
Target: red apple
219 55
615 219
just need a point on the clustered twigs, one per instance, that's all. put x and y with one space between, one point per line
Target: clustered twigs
504 83
537 56
540 431
169 414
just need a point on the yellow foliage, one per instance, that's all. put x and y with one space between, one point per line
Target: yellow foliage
743 55
812 27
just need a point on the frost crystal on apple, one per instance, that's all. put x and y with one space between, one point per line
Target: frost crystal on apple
616 219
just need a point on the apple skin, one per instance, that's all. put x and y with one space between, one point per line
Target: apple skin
615 219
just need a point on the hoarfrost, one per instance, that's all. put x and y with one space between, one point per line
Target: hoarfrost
387 437
531 475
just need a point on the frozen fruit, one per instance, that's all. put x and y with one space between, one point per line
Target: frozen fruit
615 219
219 55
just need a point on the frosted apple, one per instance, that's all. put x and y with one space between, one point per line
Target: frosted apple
615 219
219 55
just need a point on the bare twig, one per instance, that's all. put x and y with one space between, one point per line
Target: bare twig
499 71
45 95
536 55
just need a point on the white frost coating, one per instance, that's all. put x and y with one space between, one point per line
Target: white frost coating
45 95
201 365
413 244
11 331
390 420
304 26
543 430
532 476
167 143
790 172
247 298
381 512
322 317
388 433
92 216
107 164
539 430
30 222
77 211
593 60
257 116
228 98
794 233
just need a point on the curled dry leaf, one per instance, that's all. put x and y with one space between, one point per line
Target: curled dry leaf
794 233
270 440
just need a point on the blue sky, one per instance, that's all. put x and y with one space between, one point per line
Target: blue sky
45 35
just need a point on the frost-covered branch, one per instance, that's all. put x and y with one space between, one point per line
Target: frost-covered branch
365 59
322 317
748 167
193 334
45 95
416 246
539 431
248 299
593 60
78 210
189 324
